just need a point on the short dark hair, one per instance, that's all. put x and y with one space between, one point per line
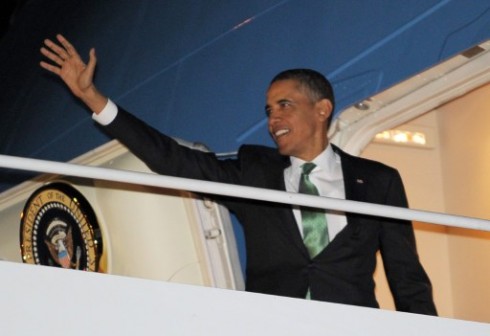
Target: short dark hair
317 85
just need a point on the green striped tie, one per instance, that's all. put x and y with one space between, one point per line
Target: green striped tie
315 232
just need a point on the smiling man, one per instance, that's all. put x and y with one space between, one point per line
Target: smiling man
291 251
298 114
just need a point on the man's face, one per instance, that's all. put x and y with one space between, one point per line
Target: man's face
296 123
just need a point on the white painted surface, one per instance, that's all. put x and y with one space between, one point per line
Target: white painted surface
49 301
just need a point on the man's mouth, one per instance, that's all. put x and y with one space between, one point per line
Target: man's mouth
281 132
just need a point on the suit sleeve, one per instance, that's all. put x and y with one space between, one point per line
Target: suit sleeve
409 283
165 156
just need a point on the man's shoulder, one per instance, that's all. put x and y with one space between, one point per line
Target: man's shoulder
356 162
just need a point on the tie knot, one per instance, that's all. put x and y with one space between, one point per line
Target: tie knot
308 167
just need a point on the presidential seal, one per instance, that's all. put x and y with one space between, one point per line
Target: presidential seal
58 228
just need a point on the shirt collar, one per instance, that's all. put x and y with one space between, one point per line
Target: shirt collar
326 161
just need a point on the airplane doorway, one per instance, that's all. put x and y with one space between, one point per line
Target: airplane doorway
449 174
450 177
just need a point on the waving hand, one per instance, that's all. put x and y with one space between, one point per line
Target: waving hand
77 75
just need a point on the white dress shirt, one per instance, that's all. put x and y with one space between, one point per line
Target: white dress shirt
329 180
327 176
107 115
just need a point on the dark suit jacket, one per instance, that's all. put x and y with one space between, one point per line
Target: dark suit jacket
277 260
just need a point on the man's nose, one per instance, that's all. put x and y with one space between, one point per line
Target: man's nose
273 114
272 119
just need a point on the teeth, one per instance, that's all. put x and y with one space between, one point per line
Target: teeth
281 132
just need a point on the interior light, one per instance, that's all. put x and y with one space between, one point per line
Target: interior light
402 137
419 138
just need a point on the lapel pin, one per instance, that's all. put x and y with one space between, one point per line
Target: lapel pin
360 181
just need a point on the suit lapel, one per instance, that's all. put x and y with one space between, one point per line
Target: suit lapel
355 182
287 223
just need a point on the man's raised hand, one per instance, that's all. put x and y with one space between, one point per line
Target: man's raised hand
69 66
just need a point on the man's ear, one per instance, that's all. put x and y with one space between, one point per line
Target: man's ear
324 107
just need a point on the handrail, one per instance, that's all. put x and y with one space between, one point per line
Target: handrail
216 188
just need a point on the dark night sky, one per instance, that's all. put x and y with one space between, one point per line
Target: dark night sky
8 9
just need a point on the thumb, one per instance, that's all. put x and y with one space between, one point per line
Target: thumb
92 61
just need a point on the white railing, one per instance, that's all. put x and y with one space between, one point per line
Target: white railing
215 188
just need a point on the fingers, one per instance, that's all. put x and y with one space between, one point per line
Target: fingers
59 54
70 50
50 67
55 52
52 56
